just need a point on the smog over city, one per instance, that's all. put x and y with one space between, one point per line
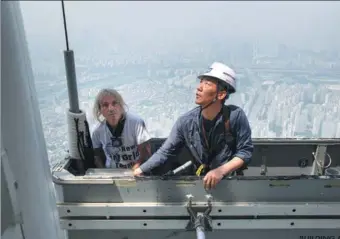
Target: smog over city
286 56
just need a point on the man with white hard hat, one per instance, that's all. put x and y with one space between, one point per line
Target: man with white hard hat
218 136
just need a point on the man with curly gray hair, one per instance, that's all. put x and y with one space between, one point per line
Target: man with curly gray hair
121 138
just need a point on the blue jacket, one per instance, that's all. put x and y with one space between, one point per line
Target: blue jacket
187 132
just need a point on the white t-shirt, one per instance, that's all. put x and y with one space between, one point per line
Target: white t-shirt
134 133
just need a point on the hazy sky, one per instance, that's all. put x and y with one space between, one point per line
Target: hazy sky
305 24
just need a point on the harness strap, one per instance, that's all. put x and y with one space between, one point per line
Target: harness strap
203 168
116 133
199 170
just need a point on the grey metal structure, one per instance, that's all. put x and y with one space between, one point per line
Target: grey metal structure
71 81
26 183
281 195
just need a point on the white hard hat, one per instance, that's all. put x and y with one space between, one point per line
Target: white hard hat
223 73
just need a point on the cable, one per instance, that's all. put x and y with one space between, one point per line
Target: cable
65 25
80 141
87 135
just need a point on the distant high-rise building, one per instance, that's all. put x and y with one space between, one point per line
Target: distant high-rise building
337 135
316 126
328 129
327 96
301 127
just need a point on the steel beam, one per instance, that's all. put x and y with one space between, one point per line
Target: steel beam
305 189
179 210
309 233
239 224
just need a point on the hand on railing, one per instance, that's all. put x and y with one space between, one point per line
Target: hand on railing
212 178
137 172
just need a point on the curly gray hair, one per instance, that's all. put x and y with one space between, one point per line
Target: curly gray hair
101 94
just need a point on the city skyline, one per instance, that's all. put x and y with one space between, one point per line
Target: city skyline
286 88
276 103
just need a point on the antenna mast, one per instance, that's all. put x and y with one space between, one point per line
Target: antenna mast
70 71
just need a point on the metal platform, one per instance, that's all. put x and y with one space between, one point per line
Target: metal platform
285 193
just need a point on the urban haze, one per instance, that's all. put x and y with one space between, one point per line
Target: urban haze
286 56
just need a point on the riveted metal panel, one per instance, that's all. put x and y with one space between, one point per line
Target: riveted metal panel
178 210
309 233
279 189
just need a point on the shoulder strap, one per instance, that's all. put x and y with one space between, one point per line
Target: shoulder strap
119 129
226 114
230 136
